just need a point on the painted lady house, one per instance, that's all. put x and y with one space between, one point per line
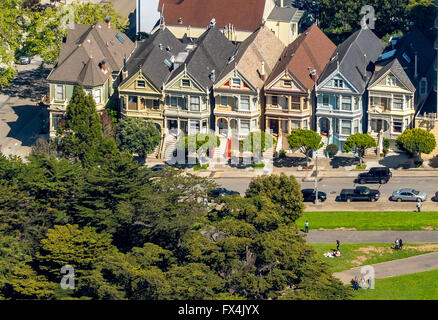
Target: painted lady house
238 92
289 89
400 85
340 91
141 91
91 57
188 91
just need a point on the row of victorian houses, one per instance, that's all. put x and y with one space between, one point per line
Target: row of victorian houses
259 82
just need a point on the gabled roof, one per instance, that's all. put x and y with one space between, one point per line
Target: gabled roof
262 45
413 43
242 14
397 70
212 51
311 49
84 49
150 54
355 57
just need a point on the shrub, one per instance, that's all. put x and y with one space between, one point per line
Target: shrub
332 150
282 154
258 165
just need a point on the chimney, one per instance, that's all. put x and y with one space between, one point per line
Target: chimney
281 3
416 65
125 71
103 66
262 73
108 21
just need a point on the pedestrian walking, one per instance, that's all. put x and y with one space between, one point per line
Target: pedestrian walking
306 227
338 243
400 243
419 206
397 244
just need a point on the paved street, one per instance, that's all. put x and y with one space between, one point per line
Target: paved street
20 121
330 236
420 263
333 186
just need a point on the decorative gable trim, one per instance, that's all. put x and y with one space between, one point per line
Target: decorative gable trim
226 81
289 76
331 76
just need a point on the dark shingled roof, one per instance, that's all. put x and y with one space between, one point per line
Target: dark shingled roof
86 47
212 51
352 60
150 56
397 69
284 14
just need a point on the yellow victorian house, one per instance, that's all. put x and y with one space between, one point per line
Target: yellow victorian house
144 74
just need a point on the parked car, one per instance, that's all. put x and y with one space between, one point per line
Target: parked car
220 192
360 194
375 175
25 60
408 194
158 167
309 195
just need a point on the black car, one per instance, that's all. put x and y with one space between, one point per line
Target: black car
375 175
158 167
309 195
359 194
220 192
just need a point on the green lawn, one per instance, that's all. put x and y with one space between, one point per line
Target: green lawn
370 220
355 254
416 286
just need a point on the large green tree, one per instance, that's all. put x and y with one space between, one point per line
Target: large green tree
416 141
359 143
137 135
307 141
81 136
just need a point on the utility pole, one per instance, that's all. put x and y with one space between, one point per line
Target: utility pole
313 75
316 179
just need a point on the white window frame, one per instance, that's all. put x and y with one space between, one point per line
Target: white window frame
245 131
186 86
400 97
350 103
194 104
328 100
99 96
242 98
342 127
57 92
233 84
391 81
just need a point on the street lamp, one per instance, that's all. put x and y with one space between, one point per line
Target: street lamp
313 75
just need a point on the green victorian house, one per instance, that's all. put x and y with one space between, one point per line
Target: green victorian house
91 57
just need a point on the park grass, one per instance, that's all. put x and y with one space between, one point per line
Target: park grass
415 286
389 220
360 254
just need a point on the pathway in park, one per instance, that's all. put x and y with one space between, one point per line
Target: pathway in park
420 263
330 236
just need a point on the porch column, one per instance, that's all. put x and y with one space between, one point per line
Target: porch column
289 102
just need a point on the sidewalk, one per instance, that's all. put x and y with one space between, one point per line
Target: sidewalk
420 263
227 172
330 236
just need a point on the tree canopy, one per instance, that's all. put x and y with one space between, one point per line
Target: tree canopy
136 135
130 233
417 141
307 141
359 143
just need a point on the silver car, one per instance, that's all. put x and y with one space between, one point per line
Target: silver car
408 194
